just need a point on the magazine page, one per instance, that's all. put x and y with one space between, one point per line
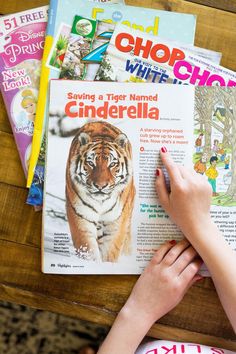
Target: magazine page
214 153
101 214
22 39
167 24
136 56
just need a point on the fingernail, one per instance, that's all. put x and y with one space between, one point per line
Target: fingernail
173 242
163 149
157 172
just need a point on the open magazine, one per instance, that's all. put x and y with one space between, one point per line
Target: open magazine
101 214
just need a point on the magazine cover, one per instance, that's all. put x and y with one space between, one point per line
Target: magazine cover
163 346
136 56
167 24
101 214
21 48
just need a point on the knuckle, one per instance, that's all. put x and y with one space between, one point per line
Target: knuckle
165 277
176 287
186 257
193 268
189 254
170 256
181 188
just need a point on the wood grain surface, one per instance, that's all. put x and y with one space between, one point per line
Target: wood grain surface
225 5
199 317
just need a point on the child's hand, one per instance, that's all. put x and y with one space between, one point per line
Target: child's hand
164 282
188 202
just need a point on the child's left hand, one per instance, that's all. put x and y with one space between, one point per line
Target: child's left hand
164 282
162 285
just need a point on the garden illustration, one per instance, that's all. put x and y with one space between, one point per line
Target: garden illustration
215 141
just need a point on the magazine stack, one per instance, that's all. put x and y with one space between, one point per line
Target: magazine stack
93 90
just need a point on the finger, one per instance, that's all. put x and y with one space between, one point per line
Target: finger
190 271
175 252
185 258
171 167
161 188
162 250
196 278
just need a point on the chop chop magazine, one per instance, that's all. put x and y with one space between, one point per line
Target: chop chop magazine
101 214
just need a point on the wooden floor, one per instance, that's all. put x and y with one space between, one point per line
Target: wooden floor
199 317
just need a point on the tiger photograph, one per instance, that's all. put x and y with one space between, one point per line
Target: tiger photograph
100 192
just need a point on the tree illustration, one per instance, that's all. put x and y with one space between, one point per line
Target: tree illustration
204 98
229 97
224 117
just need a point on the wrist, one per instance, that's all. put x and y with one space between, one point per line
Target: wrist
138 316
204 237
197 229
126 333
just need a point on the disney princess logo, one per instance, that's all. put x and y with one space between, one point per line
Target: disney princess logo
24 44
15 50
26 36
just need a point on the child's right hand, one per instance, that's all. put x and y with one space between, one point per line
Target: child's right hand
188 202
188 205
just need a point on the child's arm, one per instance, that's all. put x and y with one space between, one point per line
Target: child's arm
188 205
159 289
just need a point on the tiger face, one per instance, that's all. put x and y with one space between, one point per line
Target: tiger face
102 165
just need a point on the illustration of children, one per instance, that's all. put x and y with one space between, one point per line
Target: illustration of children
29 103
226 162
221 152
212 174
198 143
200 165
